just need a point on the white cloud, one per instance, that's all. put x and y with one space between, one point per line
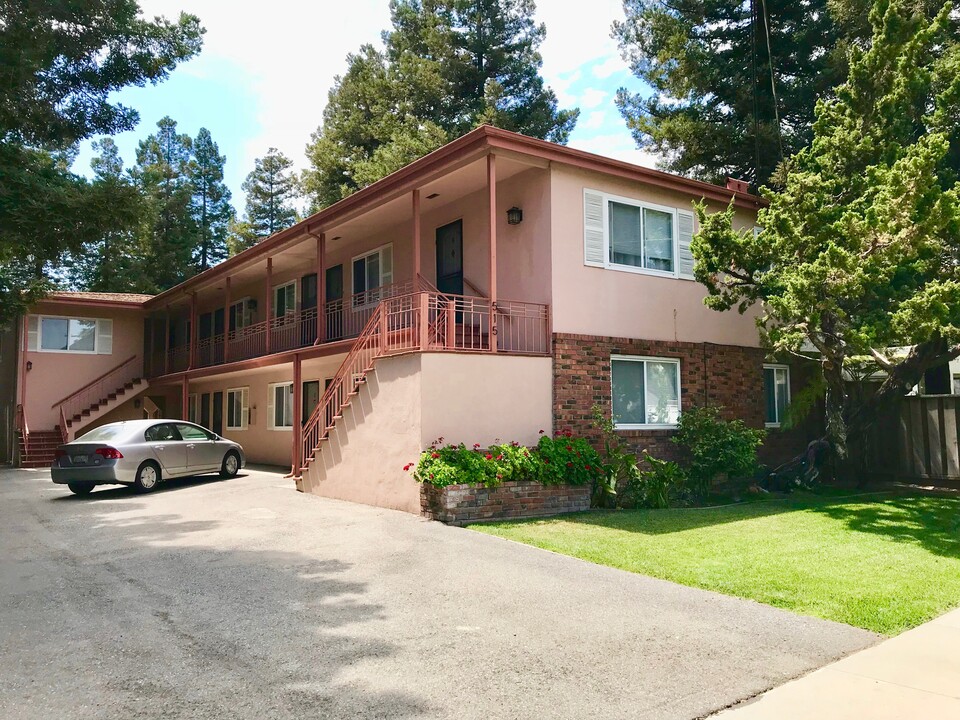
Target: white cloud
619 146
608 67
592 97
592 121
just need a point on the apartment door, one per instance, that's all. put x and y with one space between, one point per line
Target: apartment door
311 398
334 291
217 413
450 258
308 301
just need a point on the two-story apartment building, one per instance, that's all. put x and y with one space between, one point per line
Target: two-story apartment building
497 287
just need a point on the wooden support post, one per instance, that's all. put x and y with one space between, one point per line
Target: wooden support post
227 302
184 398
416 237
451 324
321 289
148 329
193 332
166 343
492 208
297 415
269 303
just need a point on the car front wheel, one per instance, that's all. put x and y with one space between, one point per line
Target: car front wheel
147 477
230 466
80 488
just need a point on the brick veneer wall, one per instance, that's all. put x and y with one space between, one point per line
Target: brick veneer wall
730 376
460 504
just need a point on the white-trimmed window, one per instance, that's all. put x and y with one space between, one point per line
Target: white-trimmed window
371 271
280 405
776 388
237 408
193 408
956 384
87 336
241 314
285 299
635 236
645 391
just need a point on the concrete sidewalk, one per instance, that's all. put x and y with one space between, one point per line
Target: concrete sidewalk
916 674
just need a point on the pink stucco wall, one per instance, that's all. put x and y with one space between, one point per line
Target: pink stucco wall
56 375
410 401
598 301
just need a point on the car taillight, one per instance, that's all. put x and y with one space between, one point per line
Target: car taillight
109 453
59 454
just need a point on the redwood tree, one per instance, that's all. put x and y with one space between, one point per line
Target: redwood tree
860 250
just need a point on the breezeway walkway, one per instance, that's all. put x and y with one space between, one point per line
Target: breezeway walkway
914 675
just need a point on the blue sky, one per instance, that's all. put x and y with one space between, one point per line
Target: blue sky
263 76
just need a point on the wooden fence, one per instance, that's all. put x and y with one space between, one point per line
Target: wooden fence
921 441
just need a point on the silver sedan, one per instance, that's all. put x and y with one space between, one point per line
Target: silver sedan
142 453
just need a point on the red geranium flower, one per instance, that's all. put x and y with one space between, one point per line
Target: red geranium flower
431 476
476 446
541 432
587 467
546 461
435 455
500 456
407 467
488 456
569 464
499 476
569 447
567 433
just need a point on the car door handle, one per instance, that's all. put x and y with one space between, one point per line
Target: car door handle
160 447
191 446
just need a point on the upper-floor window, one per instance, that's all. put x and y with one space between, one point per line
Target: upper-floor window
285 299
641 237
371 271
646 391
241 314
635 236
776 387
70 335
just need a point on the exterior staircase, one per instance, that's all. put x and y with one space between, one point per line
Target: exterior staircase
37 448
102 405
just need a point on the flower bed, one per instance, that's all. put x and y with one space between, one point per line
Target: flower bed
560 460
461 484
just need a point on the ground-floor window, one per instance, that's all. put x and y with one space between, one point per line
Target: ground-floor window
646 391
956 384
237 412
193 408
281 405
776 387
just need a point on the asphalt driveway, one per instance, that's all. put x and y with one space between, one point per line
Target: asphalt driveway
245 599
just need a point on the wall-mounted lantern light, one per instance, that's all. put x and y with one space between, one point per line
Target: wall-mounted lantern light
514 215
29 365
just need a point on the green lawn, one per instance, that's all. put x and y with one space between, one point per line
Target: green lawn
882 562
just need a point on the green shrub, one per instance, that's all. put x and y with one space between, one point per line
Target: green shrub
564 459
716 446
657 487
619 463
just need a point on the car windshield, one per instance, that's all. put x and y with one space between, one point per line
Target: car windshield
102 433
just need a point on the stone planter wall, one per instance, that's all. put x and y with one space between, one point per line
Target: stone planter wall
462 504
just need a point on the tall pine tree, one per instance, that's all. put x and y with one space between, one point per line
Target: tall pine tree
735 84
113 262
211 209
271 190
448 66
163 172
60 63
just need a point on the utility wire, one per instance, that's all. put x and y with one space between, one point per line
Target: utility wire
773 84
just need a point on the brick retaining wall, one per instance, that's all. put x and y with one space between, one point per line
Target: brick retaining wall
461 504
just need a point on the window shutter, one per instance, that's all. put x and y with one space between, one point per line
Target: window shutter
685 236
594 228
245 411
104 337
272 407
33 333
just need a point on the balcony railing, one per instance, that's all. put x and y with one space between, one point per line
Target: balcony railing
344 319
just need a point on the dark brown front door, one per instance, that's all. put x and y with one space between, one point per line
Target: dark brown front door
333 283
450 258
